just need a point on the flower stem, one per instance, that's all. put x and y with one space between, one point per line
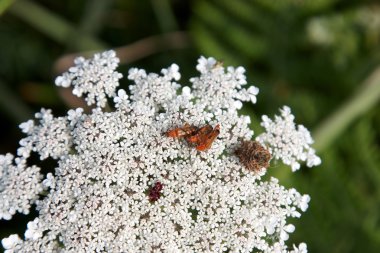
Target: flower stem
364 99
11 104
136 50
4 5
52 25
165 16
94 14
92 20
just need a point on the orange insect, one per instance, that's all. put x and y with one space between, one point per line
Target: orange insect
196 137
202 138
180 132
205 137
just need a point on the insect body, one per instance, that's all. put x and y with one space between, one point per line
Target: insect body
155 191
180 132
202 138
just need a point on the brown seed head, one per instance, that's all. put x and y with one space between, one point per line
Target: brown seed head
253 156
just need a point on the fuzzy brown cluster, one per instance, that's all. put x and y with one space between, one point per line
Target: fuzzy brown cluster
253 155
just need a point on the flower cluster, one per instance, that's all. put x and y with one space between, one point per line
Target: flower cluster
51 138
98 197
96 78
288 142
19 186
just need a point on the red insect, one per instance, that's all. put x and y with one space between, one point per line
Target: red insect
202 138
155 192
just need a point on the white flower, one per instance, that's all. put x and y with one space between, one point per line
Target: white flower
285 230
304 202
27 126
74 115
33 232
122 185
19 186
5 161
95 77
186 92
121 99
172 72
50 138
220 89
288 142
49 182
153 89
10 243
205 65
302 248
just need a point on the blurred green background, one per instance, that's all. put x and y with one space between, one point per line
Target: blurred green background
320 57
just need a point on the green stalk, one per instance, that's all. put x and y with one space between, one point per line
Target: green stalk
92 20
165 16
12 105
93 16
364 99
53 26
4 5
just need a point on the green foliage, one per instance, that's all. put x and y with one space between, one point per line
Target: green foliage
343 216
302 49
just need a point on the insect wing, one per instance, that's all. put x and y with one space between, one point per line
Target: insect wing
189 129
175 133
180 132
197 137
208 139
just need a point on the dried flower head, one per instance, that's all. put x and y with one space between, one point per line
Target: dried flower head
253 155
96 198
